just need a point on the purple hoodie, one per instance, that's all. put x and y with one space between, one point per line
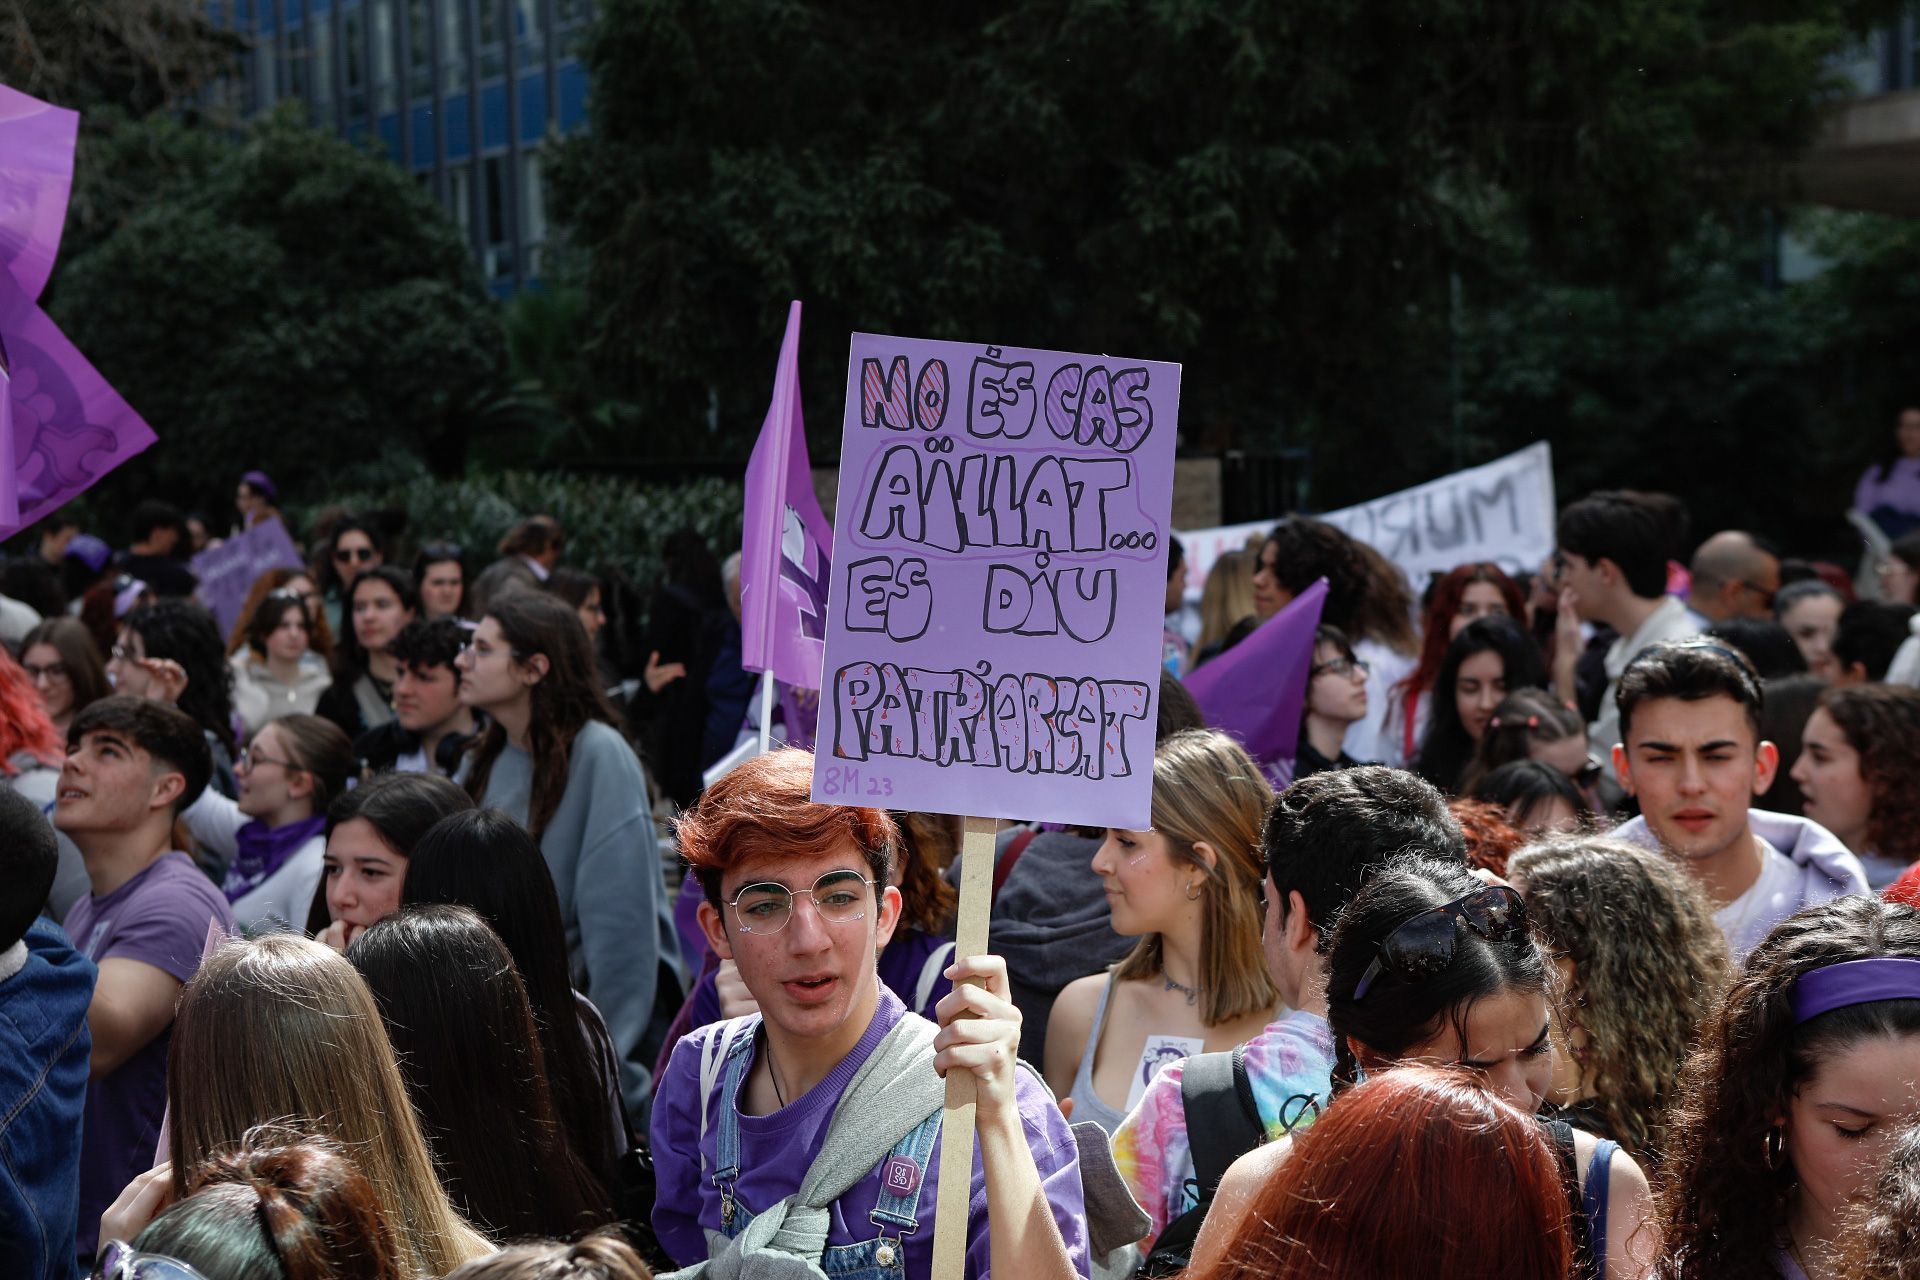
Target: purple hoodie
1822 869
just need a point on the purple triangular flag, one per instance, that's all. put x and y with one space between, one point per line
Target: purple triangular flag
36 180
1256 691
787 545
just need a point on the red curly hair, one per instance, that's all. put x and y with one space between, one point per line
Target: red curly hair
1491 839
765 808
24 723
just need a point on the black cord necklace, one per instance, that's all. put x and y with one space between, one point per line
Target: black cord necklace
773 1071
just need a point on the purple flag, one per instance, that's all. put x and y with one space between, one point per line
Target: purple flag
787 545
227 572
69 427
36 178
1257 691
9 482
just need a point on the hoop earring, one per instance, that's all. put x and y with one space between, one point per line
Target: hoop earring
1776 1149
1193 891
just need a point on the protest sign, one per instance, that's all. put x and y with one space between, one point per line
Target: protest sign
227 572
69 427
36 179
1502 511
993 629
1256 692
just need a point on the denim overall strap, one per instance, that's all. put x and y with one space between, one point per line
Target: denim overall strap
902 1174
726 1142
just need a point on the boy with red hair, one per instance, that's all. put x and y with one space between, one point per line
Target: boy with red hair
806 1137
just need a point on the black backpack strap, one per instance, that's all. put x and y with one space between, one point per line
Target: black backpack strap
1560 1137
1223 1124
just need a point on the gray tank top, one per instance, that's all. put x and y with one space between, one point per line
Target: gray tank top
1088 1105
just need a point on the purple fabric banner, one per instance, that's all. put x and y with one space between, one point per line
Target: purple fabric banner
36 179
69 427
993 637
786 549
227 572
1257 690
9 479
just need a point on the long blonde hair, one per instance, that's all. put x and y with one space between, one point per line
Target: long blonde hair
1227 598
282 1029
1206 788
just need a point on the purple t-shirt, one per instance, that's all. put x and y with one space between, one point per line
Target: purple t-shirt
776 1151
159 917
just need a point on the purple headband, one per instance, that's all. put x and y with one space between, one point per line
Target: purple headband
127 597
1854 982
262 484
90 551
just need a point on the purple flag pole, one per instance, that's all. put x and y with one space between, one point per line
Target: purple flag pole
1256 691
786 545
9 468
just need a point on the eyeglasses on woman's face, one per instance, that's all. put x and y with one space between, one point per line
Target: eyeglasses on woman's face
1340 667
348 555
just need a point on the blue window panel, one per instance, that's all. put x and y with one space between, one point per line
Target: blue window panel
422 137
573 96
457 137
390 135
493 117
267 16
533 107
242 15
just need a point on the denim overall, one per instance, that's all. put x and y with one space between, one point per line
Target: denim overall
903 1174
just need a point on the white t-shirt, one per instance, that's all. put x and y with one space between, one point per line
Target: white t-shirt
1772 898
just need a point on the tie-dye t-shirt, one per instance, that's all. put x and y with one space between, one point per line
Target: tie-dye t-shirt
1290 1066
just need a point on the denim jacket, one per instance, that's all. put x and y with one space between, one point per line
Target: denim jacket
44 1049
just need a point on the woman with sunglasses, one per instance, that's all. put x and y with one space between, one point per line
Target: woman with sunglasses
1858 764
441 571
1431 965
1189 890
289 1208
1336 701
278 674
1803 1077
355 547
380 602
1640 963
271 837
1491 658
551 759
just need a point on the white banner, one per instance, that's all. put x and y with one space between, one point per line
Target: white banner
1502 511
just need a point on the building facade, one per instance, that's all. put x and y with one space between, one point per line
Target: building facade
460 93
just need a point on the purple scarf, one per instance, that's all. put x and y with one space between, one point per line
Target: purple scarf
262 850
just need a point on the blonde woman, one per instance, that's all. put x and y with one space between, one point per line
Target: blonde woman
1226 602
283 1029
1189 889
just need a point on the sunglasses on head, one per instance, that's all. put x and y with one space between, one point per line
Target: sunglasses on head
1423 946
121 1261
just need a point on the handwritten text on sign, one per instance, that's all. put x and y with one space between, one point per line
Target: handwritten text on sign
993 632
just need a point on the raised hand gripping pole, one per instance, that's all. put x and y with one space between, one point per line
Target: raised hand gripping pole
957 1121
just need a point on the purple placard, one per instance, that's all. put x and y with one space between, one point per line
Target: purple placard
69 427
227 572
36 179
993 629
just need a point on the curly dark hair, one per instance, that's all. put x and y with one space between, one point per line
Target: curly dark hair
1720 1206
1648 965
1884 1243
1308 549
1882 724
186 633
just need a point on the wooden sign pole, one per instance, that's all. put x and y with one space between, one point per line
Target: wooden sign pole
957 1121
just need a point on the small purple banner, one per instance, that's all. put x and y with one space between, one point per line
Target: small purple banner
993 631
227 572
1256 691
36 179
69 427
786 548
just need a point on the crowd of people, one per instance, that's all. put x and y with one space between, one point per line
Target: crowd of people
406 930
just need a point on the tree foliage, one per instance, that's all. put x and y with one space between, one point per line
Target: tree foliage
284 301
1291 199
